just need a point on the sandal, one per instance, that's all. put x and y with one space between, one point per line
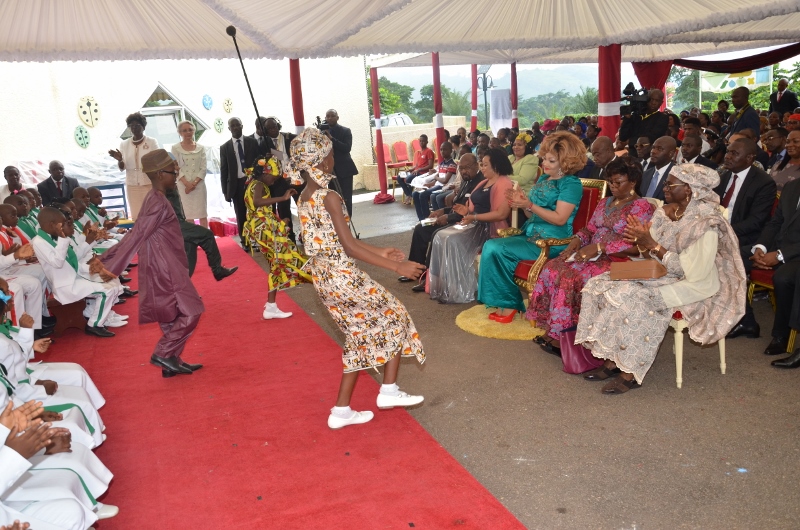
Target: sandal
601 374
548 345
619 386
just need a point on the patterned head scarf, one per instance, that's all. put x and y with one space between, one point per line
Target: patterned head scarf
308 150
701 179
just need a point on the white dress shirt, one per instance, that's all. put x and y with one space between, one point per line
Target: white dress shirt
240 172
740 176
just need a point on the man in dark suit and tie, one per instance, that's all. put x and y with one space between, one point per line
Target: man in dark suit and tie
58 185
643 146
662 156
748 193
778 248
235 155
690 149
783 100
343 164
602 154
774 141
746 116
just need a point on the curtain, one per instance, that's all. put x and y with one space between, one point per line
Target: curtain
745 63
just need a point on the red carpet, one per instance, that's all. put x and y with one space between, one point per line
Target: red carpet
243 443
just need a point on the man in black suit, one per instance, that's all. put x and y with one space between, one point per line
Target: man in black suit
274 139
778 248
602 154
662 156
775 142
783 100
748 193
690 149
235 155
58 185
343 164
652 124
762 157
643 146
423 234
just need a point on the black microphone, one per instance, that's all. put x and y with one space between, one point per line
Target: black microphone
231 30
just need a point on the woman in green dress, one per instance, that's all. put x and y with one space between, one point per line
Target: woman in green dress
550 207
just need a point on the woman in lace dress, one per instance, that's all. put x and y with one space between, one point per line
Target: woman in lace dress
624 322
191 159
377 327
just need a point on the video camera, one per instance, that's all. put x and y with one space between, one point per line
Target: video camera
322 125
633 101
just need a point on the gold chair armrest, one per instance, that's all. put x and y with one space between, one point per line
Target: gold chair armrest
508 232
545 245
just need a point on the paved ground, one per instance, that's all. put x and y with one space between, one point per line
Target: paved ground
722 452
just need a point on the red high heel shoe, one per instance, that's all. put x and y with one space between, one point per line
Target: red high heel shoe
507 318
493 315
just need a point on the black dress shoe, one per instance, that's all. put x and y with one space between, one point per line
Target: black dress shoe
173 364
129 292
48 322
404 279
777 346
419 288
132 265
224 272
119 301
192 367
42 333
793 361
98 331
123 279
751 332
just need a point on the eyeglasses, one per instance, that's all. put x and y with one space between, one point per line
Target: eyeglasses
640 145
616 183
168 172
668 185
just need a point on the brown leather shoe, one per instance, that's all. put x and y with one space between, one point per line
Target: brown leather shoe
601 374
619 385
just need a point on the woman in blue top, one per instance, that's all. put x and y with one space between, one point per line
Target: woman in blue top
550 207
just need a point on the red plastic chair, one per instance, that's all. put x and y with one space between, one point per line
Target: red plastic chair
415 145
400 161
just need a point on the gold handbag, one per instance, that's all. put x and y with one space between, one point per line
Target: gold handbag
646 269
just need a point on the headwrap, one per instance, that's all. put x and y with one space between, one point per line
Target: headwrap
794 117
308 150
701 179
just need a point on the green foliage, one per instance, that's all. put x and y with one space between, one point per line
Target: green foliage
556 105
395 97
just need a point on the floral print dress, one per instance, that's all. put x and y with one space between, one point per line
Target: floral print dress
375 324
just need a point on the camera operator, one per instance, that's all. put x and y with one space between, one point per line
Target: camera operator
343 165
652 124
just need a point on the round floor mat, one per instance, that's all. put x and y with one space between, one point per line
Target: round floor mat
476 321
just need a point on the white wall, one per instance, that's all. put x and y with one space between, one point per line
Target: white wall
38 108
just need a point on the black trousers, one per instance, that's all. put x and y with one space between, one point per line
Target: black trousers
197 236
239 206
787 299
420 243
749 318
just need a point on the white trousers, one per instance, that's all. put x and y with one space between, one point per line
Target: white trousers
47 514
48 485
28 298
70 374
100 303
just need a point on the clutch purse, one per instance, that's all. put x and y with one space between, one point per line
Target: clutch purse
646 269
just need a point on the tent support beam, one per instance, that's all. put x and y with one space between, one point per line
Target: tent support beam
610 73
383 197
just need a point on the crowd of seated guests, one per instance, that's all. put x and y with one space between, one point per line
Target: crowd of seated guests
714 178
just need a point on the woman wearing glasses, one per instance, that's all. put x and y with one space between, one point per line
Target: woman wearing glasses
129 159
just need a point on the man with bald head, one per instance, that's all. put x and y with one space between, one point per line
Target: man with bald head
662 158
58 185
343 164
652 124
745 117
602 154
783 100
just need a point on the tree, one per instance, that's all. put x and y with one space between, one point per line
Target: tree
585 101
395 97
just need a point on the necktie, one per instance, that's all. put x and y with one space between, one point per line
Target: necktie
651 189
779 95
241 152
58 185
726 200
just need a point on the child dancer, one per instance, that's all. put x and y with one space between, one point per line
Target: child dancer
377 326
271 235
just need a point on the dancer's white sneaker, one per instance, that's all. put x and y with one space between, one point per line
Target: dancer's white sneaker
402 399
335 422
274 312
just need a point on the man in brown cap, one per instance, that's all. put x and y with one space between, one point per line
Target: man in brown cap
166 293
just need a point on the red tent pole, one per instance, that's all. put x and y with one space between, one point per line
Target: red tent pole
297 95
383 197
610 73
437 102
473 124
514 116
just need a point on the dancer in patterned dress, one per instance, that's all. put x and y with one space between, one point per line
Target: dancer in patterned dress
376 325
263 228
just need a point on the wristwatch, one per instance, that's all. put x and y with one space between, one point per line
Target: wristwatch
780 256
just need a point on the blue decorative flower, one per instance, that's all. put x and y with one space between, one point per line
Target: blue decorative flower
208 102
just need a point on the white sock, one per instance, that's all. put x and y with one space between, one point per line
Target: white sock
390 390
342 412
272 306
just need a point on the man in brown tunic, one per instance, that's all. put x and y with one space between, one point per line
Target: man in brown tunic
166 294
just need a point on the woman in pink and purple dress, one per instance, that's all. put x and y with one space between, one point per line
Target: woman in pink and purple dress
556 297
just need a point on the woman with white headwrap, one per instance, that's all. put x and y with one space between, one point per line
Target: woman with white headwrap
624 322
376 325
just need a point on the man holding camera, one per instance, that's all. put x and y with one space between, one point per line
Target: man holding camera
652 124
343 165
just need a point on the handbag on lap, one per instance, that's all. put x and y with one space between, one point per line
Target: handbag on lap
645 269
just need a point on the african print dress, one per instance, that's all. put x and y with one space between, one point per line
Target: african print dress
271 235
376 325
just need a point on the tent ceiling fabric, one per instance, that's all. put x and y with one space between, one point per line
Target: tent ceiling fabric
47 30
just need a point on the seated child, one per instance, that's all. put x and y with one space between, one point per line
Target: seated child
60 264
